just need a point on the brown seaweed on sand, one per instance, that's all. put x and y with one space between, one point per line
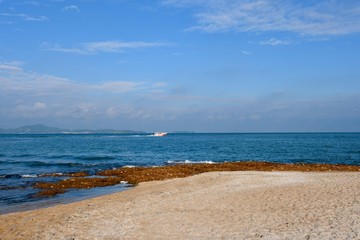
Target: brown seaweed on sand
136 175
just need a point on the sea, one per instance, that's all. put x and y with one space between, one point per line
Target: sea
25 158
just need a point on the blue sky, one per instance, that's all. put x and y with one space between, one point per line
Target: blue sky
172 65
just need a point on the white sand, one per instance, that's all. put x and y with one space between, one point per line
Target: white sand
218 205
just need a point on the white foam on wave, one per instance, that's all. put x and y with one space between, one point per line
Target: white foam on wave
136 136
51 174
29 176
128 166
188 162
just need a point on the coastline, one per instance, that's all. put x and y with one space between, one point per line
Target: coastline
79 186
136 175
62 156
236 205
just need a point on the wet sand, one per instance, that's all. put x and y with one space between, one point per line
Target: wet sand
213 205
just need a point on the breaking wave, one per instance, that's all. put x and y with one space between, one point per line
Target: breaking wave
188 162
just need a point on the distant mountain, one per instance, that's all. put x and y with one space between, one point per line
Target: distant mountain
38 128
42 129
32 129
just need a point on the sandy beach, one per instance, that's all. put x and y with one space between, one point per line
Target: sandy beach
214 205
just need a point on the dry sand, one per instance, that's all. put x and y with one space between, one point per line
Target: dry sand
216 205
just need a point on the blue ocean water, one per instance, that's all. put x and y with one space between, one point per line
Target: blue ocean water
23 158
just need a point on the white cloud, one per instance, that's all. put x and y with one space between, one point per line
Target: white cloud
104 46
30 95
57 48
246 52
119 86
275 42
38 96
111 112
6 67
324 17
219 117
34 3
14 78
159 84
118 46
78 111
39 106
37 109
71 8
6 22
26 17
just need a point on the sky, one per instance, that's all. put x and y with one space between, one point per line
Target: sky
181 65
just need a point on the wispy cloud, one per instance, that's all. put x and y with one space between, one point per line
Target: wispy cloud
102 47
275 42
322 17
34 3
120 86
6 22
58 48
6 67
35 95
25 17
246 52
30 96
14 78
118 46
71 8
10 66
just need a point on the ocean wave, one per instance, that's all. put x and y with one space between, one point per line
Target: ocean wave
137 135
29 176
56 174
60 156
95 158
23 155
10 176
188 162
48 164
32 175
127 136
10 188
40 175
45 164
351 152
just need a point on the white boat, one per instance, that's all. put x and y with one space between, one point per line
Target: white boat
159 134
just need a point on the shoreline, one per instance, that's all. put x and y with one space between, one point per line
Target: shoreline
66 198
80 186
236 205
136 175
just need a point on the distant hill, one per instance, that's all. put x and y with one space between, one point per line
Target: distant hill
42 129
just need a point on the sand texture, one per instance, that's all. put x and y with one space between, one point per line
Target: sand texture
215 205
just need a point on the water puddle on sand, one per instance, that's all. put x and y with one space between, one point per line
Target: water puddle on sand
70 196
